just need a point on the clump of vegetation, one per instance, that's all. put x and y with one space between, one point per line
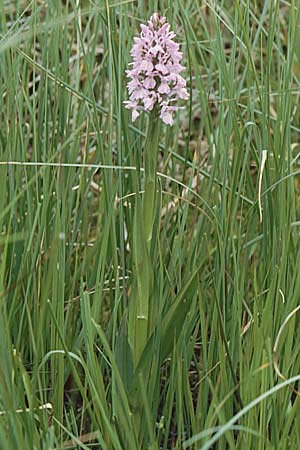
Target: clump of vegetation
217 365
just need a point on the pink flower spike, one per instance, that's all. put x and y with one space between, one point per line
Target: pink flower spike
154 77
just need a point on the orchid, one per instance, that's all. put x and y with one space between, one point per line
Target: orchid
155 85
155 80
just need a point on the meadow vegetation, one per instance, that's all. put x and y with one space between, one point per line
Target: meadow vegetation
221 364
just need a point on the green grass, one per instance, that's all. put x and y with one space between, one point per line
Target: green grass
226 258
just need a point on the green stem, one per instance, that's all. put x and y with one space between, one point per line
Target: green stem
142 235
150 165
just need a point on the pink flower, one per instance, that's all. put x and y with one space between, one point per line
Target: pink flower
167 113
149 83
154 77
164 88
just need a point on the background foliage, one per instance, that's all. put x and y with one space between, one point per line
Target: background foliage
227 268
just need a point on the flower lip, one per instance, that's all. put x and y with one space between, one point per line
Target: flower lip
154 77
